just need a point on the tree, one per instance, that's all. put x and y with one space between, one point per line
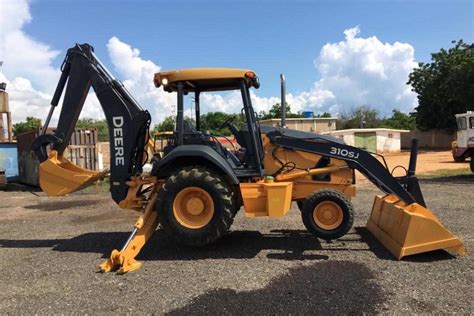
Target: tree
323 115
360 117
275 112
167 124
31 124
213 121
445 86
399 120
100 125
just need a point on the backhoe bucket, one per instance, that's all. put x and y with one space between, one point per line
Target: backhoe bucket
59 176
409 229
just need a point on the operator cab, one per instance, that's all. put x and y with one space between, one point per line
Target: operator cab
248 161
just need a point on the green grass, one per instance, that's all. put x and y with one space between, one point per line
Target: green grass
444 173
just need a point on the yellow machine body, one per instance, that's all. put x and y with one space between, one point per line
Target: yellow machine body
266 198
303 184
58 176
409 229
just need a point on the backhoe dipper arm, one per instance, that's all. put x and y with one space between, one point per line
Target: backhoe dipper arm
127 122
405 188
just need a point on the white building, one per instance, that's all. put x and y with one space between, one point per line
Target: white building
379 140
310 124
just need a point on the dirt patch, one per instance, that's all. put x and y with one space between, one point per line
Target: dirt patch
428 161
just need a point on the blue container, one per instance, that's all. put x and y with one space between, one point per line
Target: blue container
308 114
9 160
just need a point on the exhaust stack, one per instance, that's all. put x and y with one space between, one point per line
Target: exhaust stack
283 101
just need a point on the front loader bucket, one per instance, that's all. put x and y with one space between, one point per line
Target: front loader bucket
409 229
59 176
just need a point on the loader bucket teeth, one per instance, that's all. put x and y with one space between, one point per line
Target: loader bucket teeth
409 229
58 176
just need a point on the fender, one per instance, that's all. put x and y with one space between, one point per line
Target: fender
198 152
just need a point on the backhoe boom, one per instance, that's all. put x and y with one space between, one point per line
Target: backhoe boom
127 122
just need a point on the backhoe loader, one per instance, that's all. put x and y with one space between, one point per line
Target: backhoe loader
196 186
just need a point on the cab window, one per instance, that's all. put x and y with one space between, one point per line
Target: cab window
471 122
462 124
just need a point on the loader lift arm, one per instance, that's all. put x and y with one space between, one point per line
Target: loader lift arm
128 123
406 188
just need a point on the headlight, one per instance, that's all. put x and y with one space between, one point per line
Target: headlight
164 81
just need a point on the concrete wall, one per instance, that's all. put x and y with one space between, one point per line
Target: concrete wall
318 125
388 142
434 139
347 138
385 144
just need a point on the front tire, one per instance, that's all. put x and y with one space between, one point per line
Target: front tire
471 164
327 214
195 206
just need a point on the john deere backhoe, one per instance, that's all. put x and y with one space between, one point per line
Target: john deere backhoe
196 186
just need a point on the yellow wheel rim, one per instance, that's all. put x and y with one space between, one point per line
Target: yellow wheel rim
193 207
328 215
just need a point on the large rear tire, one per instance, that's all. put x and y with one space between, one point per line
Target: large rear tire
196 206
327 214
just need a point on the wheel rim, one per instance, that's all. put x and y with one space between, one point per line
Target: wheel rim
328 215
193 207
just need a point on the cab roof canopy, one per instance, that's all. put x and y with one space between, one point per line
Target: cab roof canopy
205 79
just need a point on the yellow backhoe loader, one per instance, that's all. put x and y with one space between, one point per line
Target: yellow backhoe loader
196 186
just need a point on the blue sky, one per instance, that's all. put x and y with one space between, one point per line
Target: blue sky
271 37
267 36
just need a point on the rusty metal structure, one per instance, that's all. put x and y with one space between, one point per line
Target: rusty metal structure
6 127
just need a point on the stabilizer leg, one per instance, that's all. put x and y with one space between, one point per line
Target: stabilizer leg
123 261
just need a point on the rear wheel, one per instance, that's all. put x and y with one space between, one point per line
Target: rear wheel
327 214
195 206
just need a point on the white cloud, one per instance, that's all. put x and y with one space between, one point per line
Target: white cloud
355 71
137 76
22 55
358 71
365 71
27 68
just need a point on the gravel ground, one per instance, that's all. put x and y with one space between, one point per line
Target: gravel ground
51 246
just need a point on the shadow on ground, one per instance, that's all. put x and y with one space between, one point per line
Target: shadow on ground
459 179
288 245
326 288
280 244
59 205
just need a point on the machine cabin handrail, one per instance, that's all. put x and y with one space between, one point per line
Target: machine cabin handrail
128 123
358 159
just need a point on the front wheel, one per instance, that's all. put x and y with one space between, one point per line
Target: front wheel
327 214
471 164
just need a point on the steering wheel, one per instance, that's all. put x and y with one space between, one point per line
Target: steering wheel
227 122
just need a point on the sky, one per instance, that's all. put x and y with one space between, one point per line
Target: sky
335 55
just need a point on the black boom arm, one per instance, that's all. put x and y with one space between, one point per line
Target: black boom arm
406 188
128 123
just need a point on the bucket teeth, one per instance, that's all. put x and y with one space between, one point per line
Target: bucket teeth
409 229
